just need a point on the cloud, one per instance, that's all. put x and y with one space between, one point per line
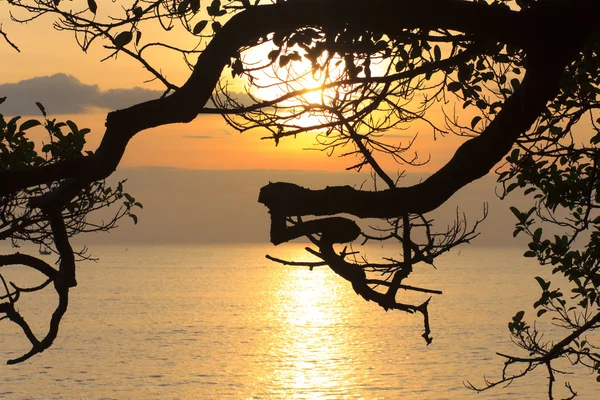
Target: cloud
223 131
198 137
65 94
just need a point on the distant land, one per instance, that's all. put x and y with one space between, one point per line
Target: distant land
220 206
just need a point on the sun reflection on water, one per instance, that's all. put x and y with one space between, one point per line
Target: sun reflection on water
315 348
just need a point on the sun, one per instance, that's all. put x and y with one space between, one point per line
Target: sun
300 87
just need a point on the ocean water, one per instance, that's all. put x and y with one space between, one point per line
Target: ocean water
222 322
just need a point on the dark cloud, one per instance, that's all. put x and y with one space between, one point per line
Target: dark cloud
65 94
223 131
198 137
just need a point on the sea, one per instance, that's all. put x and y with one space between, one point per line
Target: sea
216 321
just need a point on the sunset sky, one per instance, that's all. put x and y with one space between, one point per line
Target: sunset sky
52 69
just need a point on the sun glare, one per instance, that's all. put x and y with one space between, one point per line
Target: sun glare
309 106
309 313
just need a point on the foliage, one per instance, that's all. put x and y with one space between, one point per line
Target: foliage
49 228
522 74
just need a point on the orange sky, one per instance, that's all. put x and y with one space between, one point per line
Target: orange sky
45 52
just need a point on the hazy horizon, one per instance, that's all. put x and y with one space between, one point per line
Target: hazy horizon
220 206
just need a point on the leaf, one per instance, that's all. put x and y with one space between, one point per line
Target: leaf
195 6
541 312
122 39
40 106
474 121
464 72
519 316
516 211
138 12
515 83
537 234
283 61
216 26
512 187
555 130
134 218
543 284
182 7
3 99
454 86
72 126
437 53
129 197
29 124
199 27
92 5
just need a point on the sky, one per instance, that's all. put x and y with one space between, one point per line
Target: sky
71 84
52 69
217 206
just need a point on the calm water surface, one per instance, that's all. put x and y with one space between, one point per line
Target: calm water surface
215 322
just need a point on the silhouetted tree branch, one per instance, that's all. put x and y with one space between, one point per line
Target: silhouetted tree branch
529 72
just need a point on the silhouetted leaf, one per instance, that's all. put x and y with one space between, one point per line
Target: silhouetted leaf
92 5
541 312
216 26
29 124
122 39
437 53
519 316
515 211
40 106
515 83
454 86
195 6
474 121
537 234
283 61
73 127
138 12
199 27
182 7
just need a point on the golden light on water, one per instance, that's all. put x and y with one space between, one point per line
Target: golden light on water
221 322
318 351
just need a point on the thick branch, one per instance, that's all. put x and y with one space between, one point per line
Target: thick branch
473 159
247 28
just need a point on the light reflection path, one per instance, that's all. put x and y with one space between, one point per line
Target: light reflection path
315 346
221 322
